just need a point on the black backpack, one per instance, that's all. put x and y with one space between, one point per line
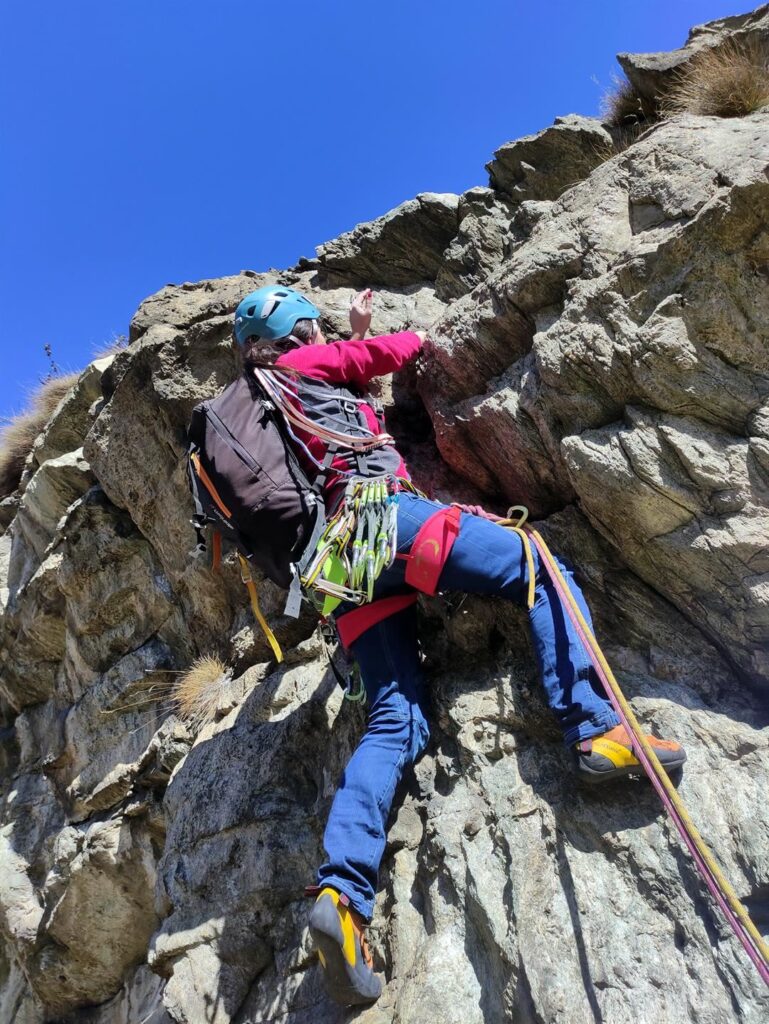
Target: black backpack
247 483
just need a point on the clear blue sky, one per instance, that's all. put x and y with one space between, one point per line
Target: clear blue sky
157 141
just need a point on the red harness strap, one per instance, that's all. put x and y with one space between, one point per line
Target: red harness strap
429 552
431 549
353 624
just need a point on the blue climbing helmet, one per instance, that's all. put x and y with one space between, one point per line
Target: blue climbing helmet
271 312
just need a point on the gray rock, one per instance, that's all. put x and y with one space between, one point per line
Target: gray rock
8 508
71 421
108 879
544 165
32 627
59 884
118 732
482 241
56 485
181 306
140 1001
402 248
17 1000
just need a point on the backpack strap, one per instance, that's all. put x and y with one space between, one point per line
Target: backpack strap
245 575
209 485
199 519
320 480
293 605
216 551
294 600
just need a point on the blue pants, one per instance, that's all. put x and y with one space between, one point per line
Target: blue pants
485 559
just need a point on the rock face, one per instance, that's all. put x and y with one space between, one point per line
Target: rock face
403 247
619 355
600 354
651 73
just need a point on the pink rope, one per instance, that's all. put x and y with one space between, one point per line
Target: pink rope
712 884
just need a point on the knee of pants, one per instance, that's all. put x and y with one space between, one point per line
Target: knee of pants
397 721
405 731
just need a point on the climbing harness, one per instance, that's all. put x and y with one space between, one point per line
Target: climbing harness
431 548
355 623
718 885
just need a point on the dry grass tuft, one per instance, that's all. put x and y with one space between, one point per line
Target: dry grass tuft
197 693
727 81
21 432
623 106
111 348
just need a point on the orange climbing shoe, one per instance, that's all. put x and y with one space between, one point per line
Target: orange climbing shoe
338 933
612 755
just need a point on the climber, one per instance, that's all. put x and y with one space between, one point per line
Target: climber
439 547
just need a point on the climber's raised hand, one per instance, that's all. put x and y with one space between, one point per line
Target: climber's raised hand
360 313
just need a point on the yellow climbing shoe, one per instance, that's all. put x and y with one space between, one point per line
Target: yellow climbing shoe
611 755
338 933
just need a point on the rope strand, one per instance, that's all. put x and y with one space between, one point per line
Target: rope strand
719 887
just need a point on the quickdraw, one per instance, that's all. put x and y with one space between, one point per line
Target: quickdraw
358 543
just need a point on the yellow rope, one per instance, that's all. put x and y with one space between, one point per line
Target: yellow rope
661 774
516 526
245 575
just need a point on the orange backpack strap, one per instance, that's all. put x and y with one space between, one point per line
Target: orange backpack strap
431 549
209 485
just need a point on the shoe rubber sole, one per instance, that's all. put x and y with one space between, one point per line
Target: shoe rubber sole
345 984
595 777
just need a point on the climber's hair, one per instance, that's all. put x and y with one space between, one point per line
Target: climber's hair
304 330
256 353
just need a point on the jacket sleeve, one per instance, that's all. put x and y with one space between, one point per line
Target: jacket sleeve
354 362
